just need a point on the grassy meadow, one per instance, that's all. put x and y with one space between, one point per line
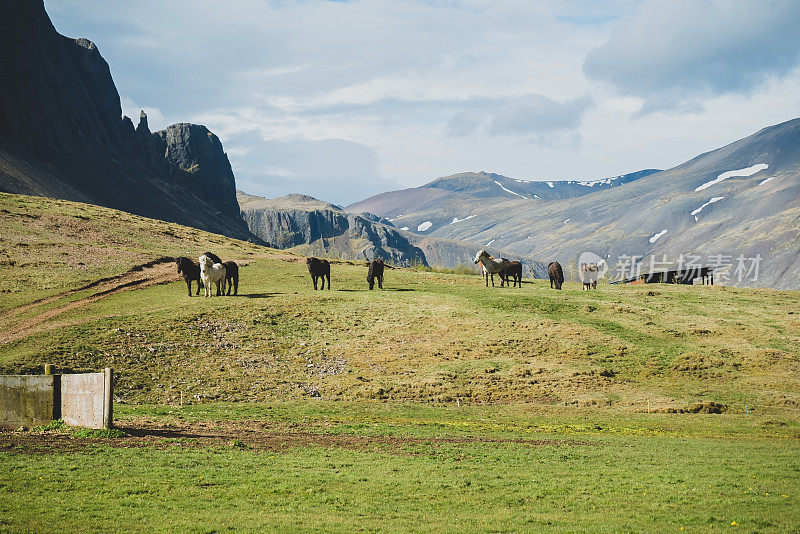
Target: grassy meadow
435 405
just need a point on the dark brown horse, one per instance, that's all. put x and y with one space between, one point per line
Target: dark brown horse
375 273
190 271
319 269
231 277
556 274
513 269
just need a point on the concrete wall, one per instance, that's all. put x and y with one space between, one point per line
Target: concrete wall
80 400
28 400
83 400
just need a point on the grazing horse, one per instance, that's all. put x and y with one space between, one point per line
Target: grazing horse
190 270
589 276
211 273
319 269
231 277
556 274
512 270
375 273
490 266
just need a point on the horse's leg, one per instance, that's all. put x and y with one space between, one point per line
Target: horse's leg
236 285
492 275
380 282
329 282
314 279
189 286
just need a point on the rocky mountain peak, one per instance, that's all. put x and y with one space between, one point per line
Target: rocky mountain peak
142 128
60 113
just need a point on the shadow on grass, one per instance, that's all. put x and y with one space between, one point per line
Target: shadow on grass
258 295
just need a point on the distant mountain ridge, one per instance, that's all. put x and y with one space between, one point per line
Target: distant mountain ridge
313 227
62 134
741 200
451 199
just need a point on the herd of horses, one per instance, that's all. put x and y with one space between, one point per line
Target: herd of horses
320 269
210 270
207 270
512 270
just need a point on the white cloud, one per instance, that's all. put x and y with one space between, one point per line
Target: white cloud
675 53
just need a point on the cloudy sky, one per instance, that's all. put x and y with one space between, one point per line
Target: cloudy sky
345 99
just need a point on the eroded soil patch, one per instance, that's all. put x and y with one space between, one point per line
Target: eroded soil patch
245 435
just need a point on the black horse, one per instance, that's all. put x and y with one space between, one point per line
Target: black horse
375 273
556 274
513 269
213 257
231 277
190 270
319 269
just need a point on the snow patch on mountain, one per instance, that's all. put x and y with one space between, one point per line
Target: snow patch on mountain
659 234
508 190
424 226
698 210
749 171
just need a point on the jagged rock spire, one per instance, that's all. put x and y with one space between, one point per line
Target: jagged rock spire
143 127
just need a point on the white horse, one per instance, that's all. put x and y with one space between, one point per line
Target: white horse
211 272
490 266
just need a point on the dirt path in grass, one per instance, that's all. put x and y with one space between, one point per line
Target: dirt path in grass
160 271
246 436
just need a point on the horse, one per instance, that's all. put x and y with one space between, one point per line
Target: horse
513 269
490 265
231 277
375 273
211 273
589 276
190 270
319 269
213 257
556 274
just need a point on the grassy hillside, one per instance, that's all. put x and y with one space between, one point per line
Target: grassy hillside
428 337
529 409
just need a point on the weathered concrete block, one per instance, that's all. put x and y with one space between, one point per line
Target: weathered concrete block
83 399
28 400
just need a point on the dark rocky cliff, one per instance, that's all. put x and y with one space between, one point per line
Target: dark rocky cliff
315 227
62 134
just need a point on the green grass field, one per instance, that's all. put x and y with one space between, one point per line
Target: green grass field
435 405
